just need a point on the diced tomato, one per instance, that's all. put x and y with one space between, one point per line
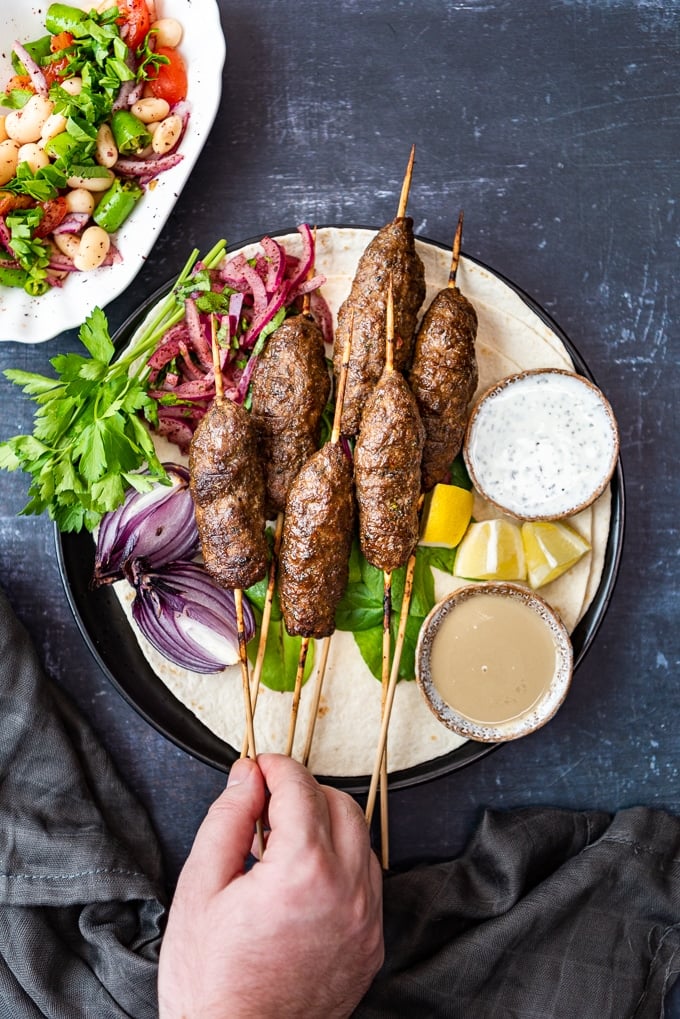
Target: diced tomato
55 70
169 81
61 41
21 82
54 210
136 18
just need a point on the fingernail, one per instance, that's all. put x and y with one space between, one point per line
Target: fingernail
240 772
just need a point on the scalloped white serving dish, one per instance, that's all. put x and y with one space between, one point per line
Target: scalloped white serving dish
27 319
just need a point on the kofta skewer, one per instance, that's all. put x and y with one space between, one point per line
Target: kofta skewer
316 542
387 475
391 254
443 375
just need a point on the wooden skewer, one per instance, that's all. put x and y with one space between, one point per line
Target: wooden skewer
387 617
264 626
304 646
389 700
316 700
238 601
406 184
455 254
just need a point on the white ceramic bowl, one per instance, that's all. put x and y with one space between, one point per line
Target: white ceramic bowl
541 445
508 723
34 319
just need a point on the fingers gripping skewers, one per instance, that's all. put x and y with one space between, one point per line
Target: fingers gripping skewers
443 375
391 254
316 543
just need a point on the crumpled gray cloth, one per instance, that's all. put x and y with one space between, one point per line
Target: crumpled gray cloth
549 914
81 886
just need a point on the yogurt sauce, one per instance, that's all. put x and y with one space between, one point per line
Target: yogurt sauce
542 444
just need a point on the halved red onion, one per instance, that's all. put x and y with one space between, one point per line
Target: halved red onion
156 527
187 617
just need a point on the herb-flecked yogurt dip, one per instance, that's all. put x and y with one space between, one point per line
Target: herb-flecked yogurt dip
541 445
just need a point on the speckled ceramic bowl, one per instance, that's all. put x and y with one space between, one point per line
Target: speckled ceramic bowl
541 711
541 445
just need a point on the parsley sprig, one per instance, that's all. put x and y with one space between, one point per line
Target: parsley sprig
89 440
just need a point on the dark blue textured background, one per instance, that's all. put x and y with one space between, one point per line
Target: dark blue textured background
555 126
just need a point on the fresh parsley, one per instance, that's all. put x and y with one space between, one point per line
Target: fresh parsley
89 438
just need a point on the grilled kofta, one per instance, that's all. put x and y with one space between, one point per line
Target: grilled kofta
316 542
227 484
290 388
390 255
387 473
443 375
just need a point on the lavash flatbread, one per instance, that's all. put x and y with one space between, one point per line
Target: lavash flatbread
511 337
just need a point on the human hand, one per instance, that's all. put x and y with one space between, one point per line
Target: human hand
300 933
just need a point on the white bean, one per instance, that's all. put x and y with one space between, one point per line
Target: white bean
166 135
68 244
94 247
80 200
34 156
3 133
151 110
54 125
8 160
105 151
169 32
92 183
72 86
26 125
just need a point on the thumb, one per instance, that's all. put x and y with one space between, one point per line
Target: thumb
224 840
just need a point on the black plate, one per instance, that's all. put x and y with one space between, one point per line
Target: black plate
108 635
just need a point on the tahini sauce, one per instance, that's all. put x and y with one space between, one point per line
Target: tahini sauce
492 658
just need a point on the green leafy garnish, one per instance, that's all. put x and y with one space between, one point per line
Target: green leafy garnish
89 439
282 652
361 608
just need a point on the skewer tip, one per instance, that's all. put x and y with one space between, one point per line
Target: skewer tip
455 253
406 185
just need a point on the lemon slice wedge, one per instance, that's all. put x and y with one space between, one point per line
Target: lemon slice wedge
491 550
446 516
551 548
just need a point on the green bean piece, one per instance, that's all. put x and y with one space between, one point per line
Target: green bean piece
63 18
130 134
116 204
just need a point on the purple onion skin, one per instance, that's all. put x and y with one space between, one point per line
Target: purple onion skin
170 597
157 526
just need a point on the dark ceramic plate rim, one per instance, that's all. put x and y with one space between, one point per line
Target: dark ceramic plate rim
107 633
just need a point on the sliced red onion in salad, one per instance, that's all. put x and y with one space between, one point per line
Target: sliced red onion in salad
258 293
154 527
186 617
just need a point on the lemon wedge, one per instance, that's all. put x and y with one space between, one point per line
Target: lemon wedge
491 550
448 509
551 548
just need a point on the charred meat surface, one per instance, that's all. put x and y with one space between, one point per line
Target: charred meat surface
390 255
316 543
444 377
227 484
290 389
387 473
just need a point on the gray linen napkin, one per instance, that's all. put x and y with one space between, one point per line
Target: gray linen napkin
548 914
81 904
